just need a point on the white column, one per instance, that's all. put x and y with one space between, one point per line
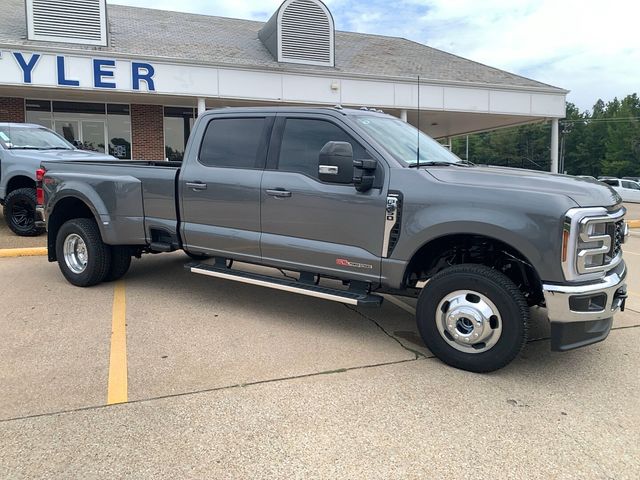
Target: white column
403 115
554 145
449 143
202 107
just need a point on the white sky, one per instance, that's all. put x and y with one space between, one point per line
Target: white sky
589 47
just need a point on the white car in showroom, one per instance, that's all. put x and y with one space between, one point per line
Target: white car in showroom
628 189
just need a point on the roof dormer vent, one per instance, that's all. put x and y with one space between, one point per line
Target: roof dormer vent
68 21
301 31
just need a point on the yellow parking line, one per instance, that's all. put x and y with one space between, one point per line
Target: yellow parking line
634 223
23 252
117 389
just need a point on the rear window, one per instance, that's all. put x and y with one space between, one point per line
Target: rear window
233 142
613 183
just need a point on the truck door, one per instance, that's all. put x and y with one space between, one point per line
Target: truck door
220 185
315 226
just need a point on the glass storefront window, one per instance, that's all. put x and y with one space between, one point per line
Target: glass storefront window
89 126
178 122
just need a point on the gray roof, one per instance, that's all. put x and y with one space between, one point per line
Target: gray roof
228 41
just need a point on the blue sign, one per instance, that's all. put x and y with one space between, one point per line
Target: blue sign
103 72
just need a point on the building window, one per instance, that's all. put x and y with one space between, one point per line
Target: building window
178 122
97 127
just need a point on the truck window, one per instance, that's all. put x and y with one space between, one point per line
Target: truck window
613 183
232 142
302 141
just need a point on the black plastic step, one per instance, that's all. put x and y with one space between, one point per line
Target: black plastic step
161 247
360 299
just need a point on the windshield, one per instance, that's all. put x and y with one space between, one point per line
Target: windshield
31 138
401 140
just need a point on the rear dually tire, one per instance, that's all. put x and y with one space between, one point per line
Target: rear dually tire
84 259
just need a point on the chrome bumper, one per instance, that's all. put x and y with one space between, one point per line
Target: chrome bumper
587 303
40 217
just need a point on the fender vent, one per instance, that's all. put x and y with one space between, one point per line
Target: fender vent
395 231
68 21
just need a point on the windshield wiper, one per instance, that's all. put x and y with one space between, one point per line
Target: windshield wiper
27 148
57 148
431 164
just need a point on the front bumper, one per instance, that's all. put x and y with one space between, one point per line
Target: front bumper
40 217
583 314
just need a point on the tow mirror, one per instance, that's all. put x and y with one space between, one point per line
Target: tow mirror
335 163
364 174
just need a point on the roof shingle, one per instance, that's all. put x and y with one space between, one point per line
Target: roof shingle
227 41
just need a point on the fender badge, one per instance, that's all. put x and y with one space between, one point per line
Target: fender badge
343 262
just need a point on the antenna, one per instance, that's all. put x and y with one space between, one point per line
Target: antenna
418 135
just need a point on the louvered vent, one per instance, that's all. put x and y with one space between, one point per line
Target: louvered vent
69 21
305 33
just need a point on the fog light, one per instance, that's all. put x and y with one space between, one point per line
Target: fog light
588 303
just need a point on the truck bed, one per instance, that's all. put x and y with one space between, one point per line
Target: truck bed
135 200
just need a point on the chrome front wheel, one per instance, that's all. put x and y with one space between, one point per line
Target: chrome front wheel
473 317
468 321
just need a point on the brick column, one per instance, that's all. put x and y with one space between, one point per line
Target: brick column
147 132
12 110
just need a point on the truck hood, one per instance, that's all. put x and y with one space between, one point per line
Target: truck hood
583 191
60 155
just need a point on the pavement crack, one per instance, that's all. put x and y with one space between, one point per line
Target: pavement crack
393 337
215 389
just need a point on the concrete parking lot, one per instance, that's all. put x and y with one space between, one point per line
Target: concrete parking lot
222 380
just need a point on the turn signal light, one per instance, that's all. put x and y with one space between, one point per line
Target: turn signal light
565 244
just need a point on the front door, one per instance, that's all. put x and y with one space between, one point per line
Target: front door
310 225
220 186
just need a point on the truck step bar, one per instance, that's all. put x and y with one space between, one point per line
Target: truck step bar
350 297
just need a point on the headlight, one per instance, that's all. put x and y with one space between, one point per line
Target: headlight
592 240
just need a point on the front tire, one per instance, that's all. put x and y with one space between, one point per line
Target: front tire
20 212
84 259
473 318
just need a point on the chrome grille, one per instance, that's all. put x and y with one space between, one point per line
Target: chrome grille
618 238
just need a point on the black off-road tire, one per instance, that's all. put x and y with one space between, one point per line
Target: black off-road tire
120 263
98 253
499 289
20 212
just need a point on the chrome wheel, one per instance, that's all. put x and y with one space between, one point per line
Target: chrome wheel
75 253
469 321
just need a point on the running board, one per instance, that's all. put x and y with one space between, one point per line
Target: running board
360 299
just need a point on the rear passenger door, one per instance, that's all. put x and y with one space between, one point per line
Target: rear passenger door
315 226
220 185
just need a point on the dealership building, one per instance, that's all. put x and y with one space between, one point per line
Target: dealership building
131 81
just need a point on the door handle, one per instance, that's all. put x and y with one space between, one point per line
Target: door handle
197 185
279 192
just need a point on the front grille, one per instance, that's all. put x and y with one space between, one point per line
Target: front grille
616 230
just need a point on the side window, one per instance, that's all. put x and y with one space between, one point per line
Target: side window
302 141
626 185
634 186
613 183
232 142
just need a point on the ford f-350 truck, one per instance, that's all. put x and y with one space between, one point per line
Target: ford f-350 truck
364 198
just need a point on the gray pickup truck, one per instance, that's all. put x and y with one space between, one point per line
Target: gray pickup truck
363 198
22 147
